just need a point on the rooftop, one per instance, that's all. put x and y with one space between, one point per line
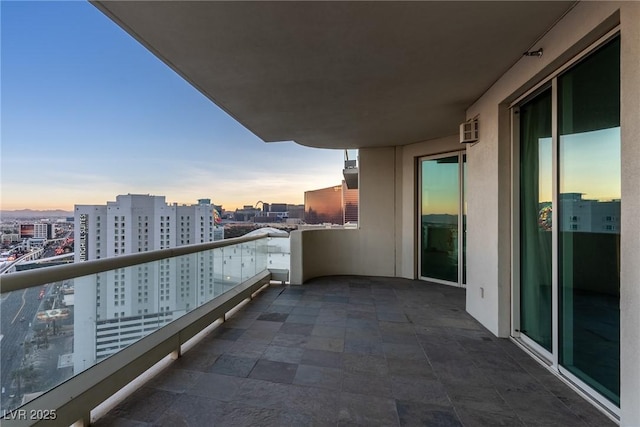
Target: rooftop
349 350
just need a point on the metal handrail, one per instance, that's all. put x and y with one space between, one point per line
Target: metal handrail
73 399
30 278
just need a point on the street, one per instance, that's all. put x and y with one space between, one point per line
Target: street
45 342
17 305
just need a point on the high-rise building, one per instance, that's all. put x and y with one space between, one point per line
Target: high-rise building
295 211
334 205
323 205
349 204
278 207
279 212
247 213
39 230
116 308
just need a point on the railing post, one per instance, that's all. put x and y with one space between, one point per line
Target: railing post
176 354
85 421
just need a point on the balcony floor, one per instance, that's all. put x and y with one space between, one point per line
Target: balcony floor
355 351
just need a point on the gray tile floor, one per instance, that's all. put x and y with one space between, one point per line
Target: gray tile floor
366 351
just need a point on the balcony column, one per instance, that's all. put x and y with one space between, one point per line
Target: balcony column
630 221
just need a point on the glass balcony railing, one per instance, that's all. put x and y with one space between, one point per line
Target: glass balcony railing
61 323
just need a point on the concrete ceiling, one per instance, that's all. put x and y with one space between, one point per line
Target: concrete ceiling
340 74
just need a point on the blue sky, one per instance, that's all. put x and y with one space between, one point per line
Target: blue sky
88 113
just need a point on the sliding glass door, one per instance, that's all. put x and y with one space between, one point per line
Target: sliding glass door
442 218
535 219
568 255
589 220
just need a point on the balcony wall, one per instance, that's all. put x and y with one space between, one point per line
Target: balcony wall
369 250
386 242
489 177
489 161
630 245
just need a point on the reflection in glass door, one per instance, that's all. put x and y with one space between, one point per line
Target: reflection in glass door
589 220
440 220
569 170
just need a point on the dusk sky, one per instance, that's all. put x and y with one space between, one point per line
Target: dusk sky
88 113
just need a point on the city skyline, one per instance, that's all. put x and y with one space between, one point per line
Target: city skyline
30 212
88 113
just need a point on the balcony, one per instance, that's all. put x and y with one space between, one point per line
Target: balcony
339 350
74 335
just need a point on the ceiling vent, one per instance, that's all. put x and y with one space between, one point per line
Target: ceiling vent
469 131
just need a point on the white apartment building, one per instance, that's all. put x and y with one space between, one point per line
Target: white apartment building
43 230
116 308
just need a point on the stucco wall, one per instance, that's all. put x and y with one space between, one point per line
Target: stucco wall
386 242
377 210
368 250
489 179
630 242
489 164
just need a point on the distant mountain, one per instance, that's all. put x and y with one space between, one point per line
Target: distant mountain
30 213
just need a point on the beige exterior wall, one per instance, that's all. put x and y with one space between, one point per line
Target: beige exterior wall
489 179
385 243
368 250
387 240
489 161
630 243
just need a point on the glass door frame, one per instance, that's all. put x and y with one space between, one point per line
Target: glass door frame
461 154
550 359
